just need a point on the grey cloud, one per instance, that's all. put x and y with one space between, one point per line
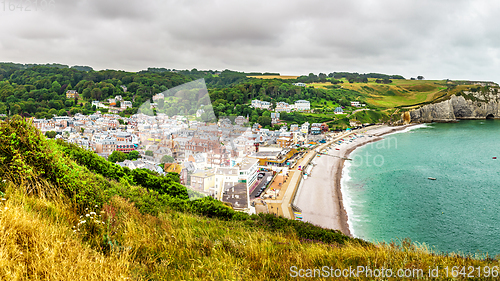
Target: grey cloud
436 39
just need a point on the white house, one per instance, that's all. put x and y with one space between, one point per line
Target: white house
282 106
158 96
302 105
261 104
248 169
305 128
299 84
126 104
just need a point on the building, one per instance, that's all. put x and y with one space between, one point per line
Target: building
158 97
248 169
71 94
203 181
105 145
302 105
224 176
285 139
299 84
324 127
261 104
282 106
275 118
304 128
316 128
277 158
355 103
236 195
125 104
240 120
338 110
124 146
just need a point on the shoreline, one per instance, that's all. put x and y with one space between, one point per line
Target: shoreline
320 196
340 168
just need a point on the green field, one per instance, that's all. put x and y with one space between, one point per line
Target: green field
399 92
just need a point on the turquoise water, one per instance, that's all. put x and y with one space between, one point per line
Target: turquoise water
388 196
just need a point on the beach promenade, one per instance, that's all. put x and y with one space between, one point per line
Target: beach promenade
282 205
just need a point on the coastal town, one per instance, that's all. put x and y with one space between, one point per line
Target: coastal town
248 167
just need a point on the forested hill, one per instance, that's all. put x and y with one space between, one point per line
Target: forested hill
40 90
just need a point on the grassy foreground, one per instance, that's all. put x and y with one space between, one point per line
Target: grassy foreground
62 220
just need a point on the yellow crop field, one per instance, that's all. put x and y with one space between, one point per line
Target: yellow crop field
274 76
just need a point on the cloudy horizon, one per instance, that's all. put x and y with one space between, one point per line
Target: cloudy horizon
436 39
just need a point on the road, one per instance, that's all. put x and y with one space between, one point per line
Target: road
260 185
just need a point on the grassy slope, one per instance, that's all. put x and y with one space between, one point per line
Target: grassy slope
399 92
43 235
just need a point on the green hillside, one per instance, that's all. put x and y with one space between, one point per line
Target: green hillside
399 92
67 214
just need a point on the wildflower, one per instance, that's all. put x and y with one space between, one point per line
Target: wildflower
6 208
93 213
4 180
87 215
3 199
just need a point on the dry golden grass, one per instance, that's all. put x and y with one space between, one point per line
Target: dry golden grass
38 244
320 85
38 248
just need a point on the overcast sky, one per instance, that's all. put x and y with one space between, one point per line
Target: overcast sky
436 39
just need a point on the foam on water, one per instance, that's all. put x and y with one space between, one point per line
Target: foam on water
411 128
346 196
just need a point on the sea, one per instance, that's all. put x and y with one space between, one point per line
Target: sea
388 195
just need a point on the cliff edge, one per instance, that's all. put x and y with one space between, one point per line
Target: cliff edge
474 104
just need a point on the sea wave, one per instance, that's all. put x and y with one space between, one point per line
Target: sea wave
411 128
346 196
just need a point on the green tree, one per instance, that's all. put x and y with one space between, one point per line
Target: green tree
96 94
148 153
50 134
55 87
133 155
117 156
62 112
264 121
167 159
87 93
